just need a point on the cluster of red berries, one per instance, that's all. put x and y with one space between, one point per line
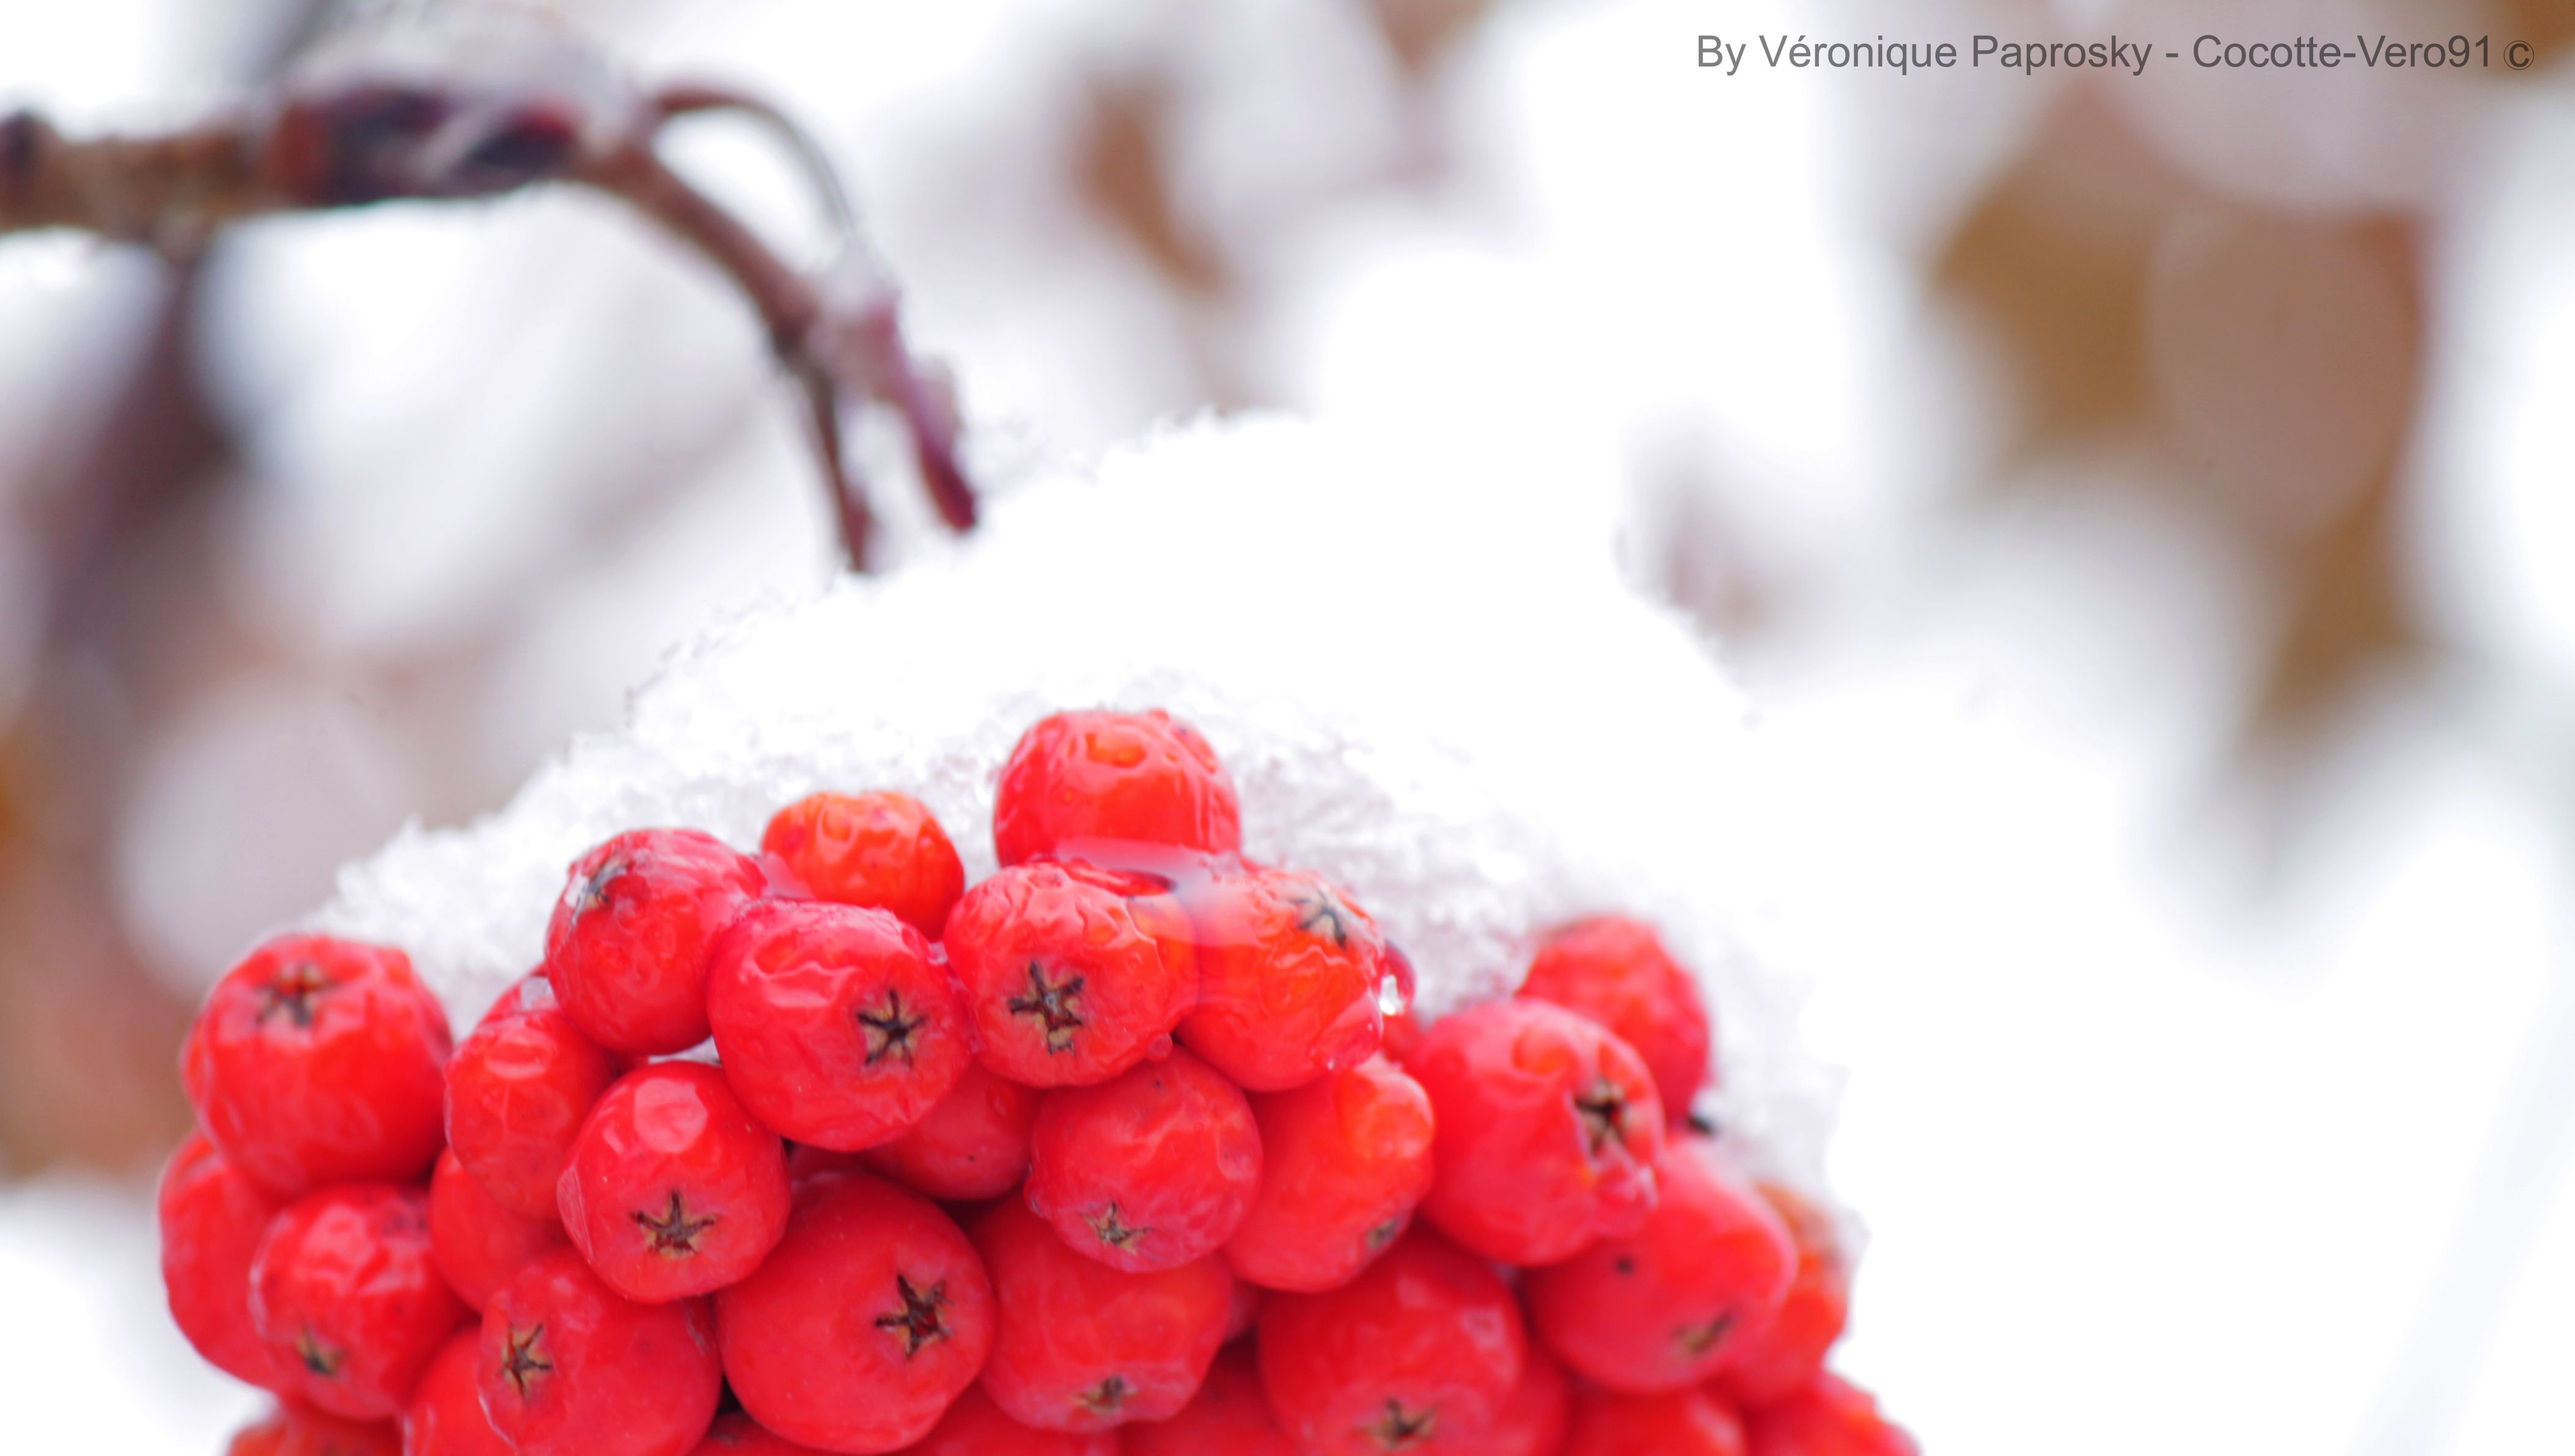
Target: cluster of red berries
1119 1150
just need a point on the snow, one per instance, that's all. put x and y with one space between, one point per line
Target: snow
1538 744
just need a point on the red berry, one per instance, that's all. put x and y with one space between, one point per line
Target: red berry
1288 979
1073 974
1828 1417
569 1367
300 1430
1081 1346
1670 1304
1148 1170
1616 972
672 1188
1549 1131
1344 1159
627 949
348 1296
736 1434
882 850
445 1416
1425 1344
1228 1415
973 1145
1531 1424
1143 776
1791 1352
835 1027
974 1426
868 1319
478 1243
1669 1423
517 1093
319 1061
212 1219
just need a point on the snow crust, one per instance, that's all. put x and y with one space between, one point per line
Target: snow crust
1416 657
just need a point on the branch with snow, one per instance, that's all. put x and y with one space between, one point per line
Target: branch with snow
461 104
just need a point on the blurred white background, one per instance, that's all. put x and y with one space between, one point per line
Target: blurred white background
2142 510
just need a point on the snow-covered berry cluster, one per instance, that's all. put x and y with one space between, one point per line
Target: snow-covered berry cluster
1135 1144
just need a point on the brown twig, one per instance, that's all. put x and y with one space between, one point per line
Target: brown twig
787 307
356 138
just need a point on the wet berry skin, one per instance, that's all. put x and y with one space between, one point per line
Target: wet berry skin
1344 1160
1073 974
627 949
1616 970
1791 1352
1230 1415
300 1430
834 1025
1289 973
1548 1128
1081 1347
1828 1417
1673 1302
882 850
478 1243
570 1367
974 1426
517 1093
212 1219
318 1061
1688 1422
971 1144
870 1316
672 1188
1148 1170
348 1296
1425 1344
445 1414
1143 776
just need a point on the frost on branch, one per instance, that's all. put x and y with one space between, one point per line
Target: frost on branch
456 102
1446 703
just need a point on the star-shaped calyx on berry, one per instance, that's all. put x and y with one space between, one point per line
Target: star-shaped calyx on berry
1697 1340
293 992
1055 1005
1114 1231
892 1030
318 1357
1322 915
922 1320
1108 1397
1603 1108
1396 1429
520 1362
671 1231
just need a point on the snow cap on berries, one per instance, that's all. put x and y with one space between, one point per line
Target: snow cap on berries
1416 660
